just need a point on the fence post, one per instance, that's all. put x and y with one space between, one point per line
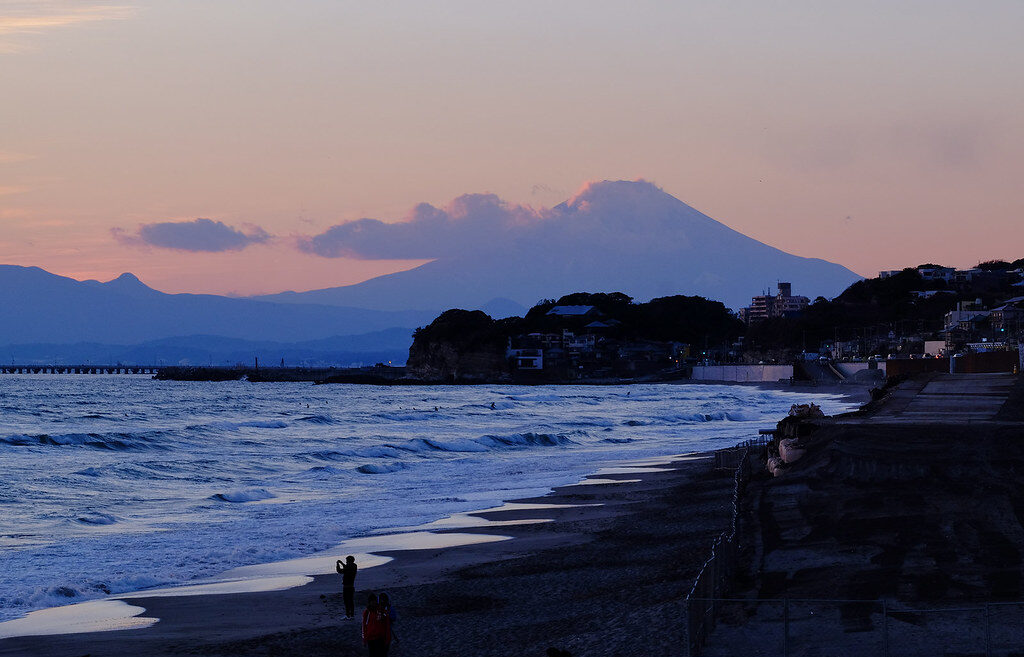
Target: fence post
785 627
689 628
885 629
988 631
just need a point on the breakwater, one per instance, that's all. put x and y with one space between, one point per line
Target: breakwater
375 375
80 369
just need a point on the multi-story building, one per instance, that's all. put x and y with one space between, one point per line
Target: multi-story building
1008 319
782 304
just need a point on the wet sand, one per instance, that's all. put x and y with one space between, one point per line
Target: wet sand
603 579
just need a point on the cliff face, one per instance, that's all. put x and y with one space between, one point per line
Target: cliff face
459 346
449 363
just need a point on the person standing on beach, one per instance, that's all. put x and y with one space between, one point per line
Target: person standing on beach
347 571
376 628
384 602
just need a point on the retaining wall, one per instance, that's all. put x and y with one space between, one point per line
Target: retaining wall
741 373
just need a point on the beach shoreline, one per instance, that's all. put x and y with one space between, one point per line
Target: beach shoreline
589 539
242 622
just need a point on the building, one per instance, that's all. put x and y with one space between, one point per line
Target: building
527 359
945 274
964 318
1008 319
584 312
781 304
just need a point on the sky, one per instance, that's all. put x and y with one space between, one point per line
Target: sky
206 146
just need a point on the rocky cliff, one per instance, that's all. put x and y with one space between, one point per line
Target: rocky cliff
460 346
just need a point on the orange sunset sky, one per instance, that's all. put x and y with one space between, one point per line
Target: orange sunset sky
872 134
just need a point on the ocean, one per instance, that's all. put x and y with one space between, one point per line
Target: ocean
120 483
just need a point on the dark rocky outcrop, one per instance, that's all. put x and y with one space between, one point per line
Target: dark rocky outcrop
460 346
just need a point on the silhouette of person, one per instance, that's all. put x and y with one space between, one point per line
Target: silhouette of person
384 602
347 571
376 628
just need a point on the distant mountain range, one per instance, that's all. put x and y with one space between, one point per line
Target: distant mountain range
391 345
42 313
616 236
613 237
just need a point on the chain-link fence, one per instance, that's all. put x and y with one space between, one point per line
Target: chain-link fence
719 571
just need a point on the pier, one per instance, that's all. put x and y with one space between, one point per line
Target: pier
376 374
152 370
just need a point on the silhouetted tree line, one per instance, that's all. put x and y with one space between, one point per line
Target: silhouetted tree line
691 320
876 304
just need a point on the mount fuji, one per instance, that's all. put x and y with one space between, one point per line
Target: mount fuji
614 236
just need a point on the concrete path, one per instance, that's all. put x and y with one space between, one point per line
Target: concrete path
948 398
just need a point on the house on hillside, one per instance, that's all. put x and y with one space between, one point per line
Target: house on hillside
944 274
966 324
1008 319
575 344
964 319
581 312
527 359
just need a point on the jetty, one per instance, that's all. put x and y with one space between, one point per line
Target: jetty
376 374
81 369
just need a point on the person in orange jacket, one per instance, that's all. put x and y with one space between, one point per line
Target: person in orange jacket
376 628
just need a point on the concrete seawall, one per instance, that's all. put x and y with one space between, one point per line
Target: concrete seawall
742 373
900 530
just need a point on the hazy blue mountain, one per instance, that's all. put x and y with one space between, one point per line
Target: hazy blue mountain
501 308
39 307
380 346
613 237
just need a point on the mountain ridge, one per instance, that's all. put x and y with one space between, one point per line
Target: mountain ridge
60 310
613 236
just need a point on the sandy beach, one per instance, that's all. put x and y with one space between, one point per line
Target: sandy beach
602 579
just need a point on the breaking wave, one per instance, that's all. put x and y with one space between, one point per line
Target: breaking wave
118 441
381 468
96 519
242 496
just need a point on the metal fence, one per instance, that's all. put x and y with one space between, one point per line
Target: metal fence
822 628
719 571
